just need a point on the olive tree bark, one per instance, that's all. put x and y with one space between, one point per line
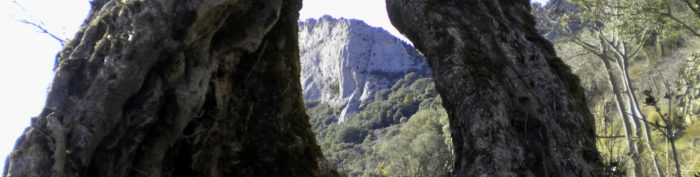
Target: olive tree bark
176 88
515 109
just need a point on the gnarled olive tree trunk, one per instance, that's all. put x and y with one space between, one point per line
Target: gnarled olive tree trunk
515 109
176 88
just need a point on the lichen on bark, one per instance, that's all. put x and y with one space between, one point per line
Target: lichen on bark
515 109
176 88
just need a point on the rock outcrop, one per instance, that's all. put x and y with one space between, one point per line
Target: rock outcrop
176 88
690 90
344 62
515 109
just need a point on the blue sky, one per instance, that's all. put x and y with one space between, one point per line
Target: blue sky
27 56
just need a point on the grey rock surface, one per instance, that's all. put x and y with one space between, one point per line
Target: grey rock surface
515 109
344 62
157 88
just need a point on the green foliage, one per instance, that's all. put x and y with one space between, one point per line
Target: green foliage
335 87
627 24
350 134
321 116
407 118
624 32
622 24
422 146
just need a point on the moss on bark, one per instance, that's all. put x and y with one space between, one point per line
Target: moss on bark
176 88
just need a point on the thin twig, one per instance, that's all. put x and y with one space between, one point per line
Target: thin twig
38 25
44 30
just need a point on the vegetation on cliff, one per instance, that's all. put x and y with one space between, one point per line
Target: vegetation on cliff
402 131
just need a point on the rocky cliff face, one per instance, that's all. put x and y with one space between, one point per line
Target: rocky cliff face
156 88
515 109
344 62
690 89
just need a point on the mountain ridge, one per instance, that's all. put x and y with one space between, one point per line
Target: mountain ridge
345 61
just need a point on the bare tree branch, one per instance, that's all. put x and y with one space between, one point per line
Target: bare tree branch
36 23
44 30
683 24
695 10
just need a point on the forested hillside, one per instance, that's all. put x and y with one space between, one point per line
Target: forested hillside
641 83
402 131
371 101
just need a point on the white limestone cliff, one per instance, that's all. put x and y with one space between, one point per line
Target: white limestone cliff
344 62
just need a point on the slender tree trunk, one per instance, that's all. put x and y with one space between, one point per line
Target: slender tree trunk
650 144
670 128
668 167
515 109
675 159
615 82
626 120
633 110
639 118
176 88
671 139
622 55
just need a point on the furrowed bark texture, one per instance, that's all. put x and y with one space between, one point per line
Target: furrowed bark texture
176 88
515 109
